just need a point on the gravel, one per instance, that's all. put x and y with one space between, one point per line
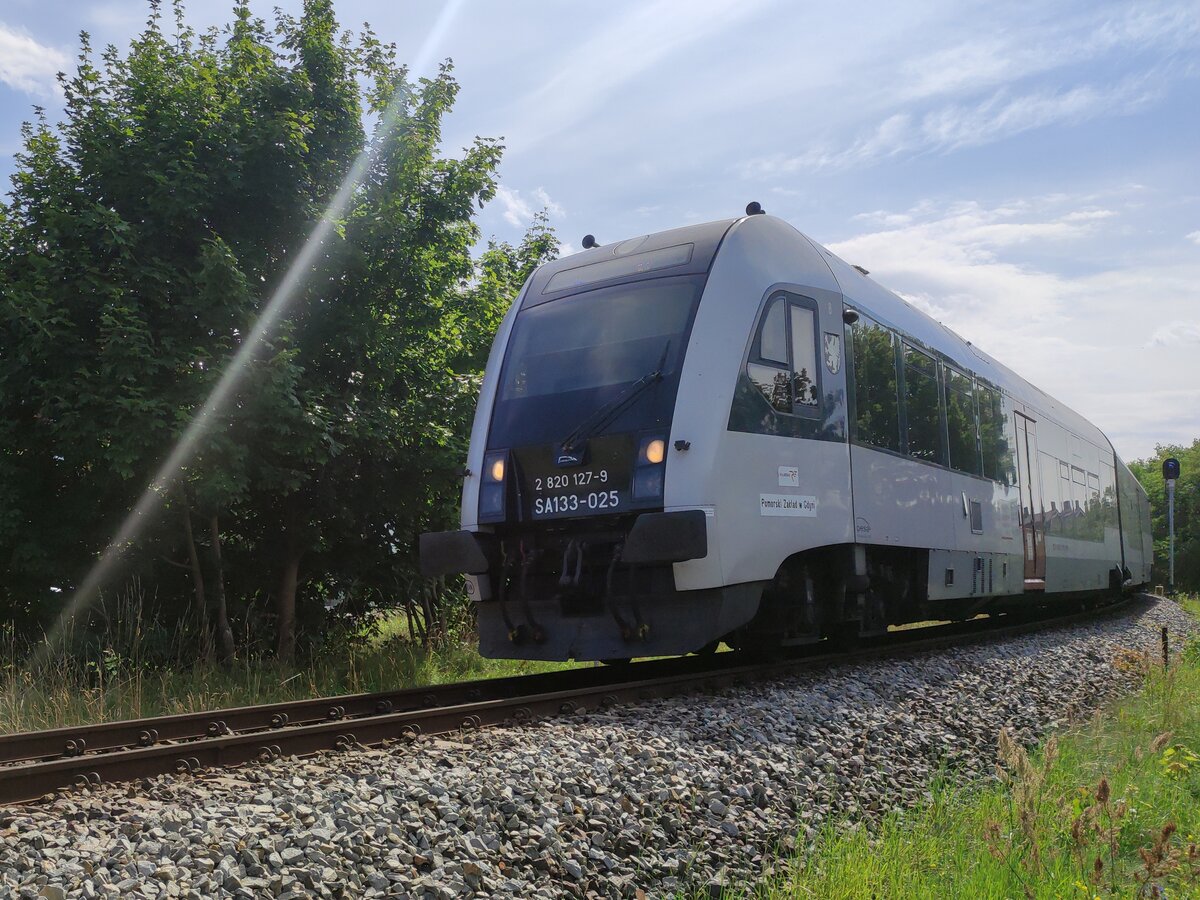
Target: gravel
670 795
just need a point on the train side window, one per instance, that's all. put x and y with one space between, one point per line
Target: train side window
1078 502
769 358
1064 490
1108 495
961 424
1052 508
997 460
772 341
783 362
876 399
806 390
922 406
774 384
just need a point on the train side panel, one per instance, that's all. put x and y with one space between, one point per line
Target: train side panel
1135 525
768 495
1078 510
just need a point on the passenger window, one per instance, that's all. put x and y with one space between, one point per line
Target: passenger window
1051 496
960 422
922 407
1064 491
996 457
1078 501
876 402
804 358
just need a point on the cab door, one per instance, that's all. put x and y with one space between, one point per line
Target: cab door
1032 518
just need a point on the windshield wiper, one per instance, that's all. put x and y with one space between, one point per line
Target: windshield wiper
606 414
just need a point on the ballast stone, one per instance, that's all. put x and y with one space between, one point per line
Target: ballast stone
672 795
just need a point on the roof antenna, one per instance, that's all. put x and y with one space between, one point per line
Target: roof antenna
589 241
754 208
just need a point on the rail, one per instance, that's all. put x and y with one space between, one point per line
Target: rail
33 764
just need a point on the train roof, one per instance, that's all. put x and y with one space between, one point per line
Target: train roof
629 259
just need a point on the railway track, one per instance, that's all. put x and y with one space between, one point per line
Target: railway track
34 764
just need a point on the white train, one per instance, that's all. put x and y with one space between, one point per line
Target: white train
724 432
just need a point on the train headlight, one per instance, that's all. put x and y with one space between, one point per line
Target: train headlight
653 451
496 469
493 493
648 468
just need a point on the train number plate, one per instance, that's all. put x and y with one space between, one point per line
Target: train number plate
577 492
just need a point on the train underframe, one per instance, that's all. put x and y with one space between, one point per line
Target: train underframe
585 592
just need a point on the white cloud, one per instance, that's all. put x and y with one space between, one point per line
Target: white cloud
548 204
519 212
952 127
1088 215
1041 46
1176 333
883 217
26 65
970 266
1194 237
1001 116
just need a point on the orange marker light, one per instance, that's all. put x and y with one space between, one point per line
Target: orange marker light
498 470
656 451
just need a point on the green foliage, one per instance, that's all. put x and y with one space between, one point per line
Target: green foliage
142 239
1187 512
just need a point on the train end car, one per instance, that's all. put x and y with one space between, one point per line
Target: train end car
723 432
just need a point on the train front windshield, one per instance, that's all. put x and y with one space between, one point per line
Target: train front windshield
568 357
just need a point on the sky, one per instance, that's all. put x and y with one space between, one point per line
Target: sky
1027 173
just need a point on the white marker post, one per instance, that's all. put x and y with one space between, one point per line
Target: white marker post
1170 471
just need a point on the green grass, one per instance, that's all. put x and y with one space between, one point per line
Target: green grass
1108 809
62 692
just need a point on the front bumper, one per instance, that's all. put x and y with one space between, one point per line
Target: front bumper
660 537
457 553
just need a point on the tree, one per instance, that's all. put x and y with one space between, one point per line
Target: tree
142 239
